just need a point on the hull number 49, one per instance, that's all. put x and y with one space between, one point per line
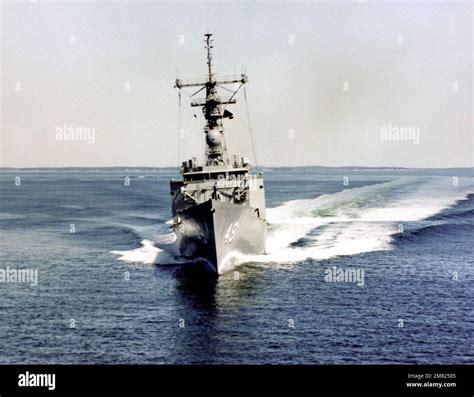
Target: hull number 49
229 234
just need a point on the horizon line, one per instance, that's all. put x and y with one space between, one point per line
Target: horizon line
258 167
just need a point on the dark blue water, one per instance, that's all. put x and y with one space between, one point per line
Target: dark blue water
410 231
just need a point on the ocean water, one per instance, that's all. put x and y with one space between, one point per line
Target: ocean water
111 288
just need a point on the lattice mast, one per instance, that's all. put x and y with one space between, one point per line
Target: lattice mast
214 107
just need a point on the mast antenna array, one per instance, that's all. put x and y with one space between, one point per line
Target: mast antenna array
213 105
209 46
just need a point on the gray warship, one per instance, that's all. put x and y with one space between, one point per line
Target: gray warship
219 206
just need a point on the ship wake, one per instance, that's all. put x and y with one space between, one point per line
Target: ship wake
151 254
349 222
355 221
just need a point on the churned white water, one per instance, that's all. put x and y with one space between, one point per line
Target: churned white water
348 222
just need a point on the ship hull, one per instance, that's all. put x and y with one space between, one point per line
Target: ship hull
215 232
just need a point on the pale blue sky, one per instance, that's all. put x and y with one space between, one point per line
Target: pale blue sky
400 61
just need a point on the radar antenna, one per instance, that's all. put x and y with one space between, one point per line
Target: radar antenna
213 106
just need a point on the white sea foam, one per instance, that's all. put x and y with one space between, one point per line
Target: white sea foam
353 221
349 222
149 254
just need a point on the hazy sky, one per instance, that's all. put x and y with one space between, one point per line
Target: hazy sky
330 83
